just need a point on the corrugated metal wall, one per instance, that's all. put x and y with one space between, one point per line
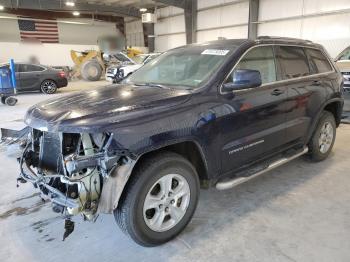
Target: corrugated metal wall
322 21
169 29
223 18
134 32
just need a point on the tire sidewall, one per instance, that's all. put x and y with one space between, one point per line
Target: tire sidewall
85 67
138 225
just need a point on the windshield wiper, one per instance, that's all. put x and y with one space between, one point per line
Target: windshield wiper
153 85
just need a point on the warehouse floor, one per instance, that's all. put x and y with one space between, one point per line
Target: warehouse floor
299 212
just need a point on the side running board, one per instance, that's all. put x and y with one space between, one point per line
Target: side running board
227 184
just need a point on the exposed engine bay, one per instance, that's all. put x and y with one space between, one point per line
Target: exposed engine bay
79 173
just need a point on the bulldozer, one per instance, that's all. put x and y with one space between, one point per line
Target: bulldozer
90 65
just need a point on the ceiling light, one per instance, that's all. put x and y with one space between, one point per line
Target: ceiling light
76 13
143 9
2 7
70 3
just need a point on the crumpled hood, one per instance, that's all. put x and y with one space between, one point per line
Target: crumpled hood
100 109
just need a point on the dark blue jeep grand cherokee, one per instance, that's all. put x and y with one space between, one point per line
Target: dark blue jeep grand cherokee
211 114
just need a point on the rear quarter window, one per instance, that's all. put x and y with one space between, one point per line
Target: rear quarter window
319 60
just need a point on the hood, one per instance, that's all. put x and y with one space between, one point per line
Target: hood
98 110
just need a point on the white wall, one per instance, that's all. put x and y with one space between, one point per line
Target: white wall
315 20
80 37
48 54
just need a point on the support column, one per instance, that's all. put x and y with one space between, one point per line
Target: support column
253 19
148 33
190 10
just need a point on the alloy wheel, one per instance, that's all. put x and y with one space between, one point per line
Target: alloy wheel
326 137
166 202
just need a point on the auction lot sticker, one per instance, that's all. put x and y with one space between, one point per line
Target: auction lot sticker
221 52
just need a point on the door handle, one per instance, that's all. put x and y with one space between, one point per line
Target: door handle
316 83
277 92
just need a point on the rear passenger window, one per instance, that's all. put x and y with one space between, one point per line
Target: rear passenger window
261 59
293 61
319 61
34 68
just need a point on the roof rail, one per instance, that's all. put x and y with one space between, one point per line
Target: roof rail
283 38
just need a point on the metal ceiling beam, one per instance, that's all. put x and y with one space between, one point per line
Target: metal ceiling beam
253 19
176 3
57 5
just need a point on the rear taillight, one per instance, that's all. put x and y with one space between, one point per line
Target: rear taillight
61 74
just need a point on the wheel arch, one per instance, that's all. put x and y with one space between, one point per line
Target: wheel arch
334 106
189 149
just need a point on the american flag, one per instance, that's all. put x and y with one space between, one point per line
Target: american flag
37 30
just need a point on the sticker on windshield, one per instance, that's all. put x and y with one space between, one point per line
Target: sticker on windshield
221 52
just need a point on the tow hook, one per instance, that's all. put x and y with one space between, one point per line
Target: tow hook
68 228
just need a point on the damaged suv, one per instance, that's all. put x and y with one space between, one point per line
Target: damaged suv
212 114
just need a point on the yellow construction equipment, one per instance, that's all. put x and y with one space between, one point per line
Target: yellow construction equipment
91 65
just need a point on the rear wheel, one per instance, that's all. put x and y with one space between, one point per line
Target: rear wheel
160 199
322 141
48 87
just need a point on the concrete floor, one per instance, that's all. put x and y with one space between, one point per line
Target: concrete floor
298 212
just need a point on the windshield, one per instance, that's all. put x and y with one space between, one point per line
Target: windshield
189 66
140 58
345 55
122 58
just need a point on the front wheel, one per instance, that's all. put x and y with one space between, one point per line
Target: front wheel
160 199
10 101
322 141
48 87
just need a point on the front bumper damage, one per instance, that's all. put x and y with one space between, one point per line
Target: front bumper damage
79 173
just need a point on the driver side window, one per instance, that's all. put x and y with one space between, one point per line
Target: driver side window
260 59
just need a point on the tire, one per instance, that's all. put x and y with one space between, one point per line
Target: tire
48 87
3 98
133 214
322 141
91 70
10 101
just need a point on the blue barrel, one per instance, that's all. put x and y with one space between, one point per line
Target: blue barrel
6 85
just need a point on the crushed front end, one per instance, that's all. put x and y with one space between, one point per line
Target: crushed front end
73 170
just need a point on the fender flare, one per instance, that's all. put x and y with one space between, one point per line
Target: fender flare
200 147
318 115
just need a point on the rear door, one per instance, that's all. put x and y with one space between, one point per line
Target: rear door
254 126
30 77
304 91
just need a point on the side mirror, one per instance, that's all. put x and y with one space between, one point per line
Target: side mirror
243 79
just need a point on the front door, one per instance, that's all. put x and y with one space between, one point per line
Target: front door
255 124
